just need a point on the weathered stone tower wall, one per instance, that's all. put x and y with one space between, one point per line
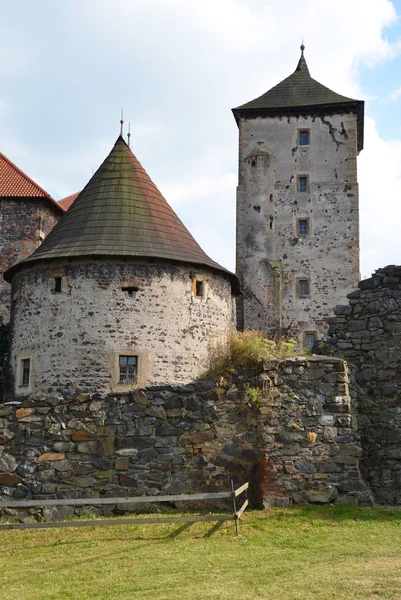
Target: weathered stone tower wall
274 256
367 333
166 315
24 223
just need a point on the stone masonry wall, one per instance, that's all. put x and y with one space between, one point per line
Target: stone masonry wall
23 224
289 430
367 333
328 255
74 338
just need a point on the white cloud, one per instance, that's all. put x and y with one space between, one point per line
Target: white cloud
396 94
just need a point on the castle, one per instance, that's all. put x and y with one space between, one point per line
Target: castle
115 308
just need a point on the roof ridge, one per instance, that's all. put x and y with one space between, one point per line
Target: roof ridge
21 172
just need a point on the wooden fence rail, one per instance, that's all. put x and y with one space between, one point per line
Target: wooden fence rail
235 514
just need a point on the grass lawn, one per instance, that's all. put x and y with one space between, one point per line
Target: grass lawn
309 553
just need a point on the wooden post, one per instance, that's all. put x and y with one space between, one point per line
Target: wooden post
234 507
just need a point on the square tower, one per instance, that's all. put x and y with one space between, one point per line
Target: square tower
297 247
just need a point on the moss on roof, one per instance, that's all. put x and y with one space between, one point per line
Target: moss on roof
120 212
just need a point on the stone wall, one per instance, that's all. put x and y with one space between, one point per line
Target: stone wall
367 333
268 249
109 308
24 222
289 430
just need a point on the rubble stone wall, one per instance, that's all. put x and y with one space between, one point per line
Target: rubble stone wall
367 333
289 430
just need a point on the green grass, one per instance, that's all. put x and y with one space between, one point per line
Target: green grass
310 553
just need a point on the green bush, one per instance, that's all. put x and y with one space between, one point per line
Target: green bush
246 351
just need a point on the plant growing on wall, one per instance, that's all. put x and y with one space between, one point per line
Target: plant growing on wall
247 351
3 354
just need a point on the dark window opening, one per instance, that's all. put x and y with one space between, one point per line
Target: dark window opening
25 371
271 197
57 285
304 138
128 366
199 288
304 287
131 290
303 227
310 339
253 163
271 222
302 184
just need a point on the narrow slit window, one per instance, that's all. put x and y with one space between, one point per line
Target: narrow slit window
303 227
302 184
304 287
25 371
130 290
128 368
271 222
57 285
304 137
310 338
199 288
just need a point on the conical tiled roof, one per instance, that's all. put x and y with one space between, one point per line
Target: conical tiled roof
300 94
120 212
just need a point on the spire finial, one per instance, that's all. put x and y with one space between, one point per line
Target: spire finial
302 47
122 122
129 134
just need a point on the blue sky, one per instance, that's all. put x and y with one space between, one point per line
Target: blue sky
178 67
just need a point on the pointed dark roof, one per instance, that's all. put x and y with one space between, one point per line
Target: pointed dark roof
14 183
300 94
120 212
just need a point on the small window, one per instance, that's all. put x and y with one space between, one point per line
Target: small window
253 163
304 138
310 339
302 183
57 285
128 369
199 288
25 371
303 226
303 288
130 290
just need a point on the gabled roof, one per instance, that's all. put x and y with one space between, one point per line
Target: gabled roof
14 183
120 212
300 94
68 200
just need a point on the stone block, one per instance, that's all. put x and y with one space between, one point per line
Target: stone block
51 456
122 463
84 436
10 479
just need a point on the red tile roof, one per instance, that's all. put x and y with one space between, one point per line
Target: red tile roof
14 183
68 200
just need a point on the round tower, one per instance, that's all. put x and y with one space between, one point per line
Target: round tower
119 295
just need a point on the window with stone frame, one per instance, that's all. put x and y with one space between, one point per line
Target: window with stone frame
309 339
25 372
303 227
304 137
303 183
303 288
128 369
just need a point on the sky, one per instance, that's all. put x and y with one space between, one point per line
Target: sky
177 67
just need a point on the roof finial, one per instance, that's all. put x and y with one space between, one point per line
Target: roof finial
302 47
122 122
129 134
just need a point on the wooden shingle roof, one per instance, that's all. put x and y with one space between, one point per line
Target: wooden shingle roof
300 94
121 213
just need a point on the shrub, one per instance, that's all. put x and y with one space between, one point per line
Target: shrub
246 351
